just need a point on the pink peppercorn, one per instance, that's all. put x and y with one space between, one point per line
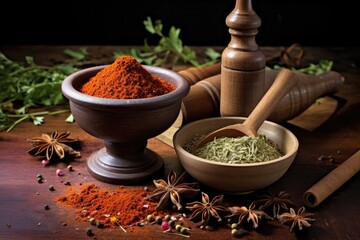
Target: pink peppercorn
59 172
165 225
45 162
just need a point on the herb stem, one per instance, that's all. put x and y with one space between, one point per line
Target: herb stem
23 117
59 112
26 69
177 234
26 116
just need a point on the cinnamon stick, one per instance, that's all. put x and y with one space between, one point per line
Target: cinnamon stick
332 181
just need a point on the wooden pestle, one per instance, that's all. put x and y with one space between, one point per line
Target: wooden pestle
195 74
203 100
242 63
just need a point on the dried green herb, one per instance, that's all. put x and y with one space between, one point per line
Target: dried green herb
239 150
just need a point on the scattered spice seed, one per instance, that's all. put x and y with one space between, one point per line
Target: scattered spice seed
99 224
209 228
45 162
59 172
238 232
92 221
39 178
51 188
89 232
70 168
46 207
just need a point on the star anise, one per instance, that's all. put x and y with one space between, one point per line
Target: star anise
250 216
277 203
58 143
298 220
207 210
172 191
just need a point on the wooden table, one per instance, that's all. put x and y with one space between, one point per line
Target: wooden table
22 198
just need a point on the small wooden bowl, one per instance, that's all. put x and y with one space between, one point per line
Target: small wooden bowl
235 178
125 125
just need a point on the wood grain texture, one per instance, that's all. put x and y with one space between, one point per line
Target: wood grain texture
21 209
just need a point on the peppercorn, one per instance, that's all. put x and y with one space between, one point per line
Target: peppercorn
184 230
51 188
234 225
92 221
59 172
70 168
172 223
238 232
99 224
46 207
39 178
167 217
89 232
149 218
209 228
157 219
178 227
234 232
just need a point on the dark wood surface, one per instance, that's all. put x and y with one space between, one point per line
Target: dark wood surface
22 198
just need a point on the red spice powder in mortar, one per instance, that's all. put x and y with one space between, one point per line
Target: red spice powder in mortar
125 205
126 78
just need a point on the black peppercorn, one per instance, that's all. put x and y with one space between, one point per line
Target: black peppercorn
89 232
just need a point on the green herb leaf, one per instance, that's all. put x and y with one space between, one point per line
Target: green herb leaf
29 85
321 67
169 51
37 120
70 119
78 55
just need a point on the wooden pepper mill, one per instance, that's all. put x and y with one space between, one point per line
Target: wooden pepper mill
243 63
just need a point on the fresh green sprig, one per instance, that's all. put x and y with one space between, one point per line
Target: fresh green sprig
170 49
319 68
9 121
24 86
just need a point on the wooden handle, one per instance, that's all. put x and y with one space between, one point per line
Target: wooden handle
283 83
